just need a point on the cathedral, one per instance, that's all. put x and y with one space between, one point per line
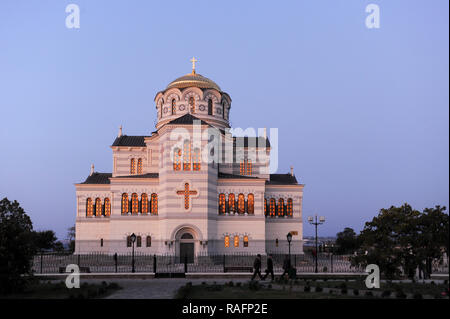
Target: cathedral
191 187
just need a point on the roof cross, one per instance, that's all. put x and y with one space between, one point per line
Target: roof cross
193 60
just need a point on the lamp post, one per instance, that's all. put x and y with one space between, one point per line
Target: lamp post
133 239
313 221
289 239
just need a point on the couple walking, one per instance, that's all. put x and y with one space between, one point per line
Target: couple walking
269 270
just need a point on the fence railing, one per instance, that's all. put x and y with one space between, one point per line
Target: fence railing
105 263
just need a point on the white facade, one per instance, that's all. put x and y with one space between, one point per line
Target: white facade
206 220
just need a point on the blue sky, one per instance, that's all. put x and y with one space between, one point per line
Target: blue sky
362 113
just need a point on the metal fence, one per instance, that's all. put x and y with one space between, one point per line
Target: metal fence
165 264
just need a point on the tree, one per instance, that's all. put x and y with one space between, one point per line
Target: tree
71 238
16 246
45 240
347 241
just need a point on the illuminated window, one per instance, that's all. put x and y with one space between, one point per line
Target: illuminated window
272 207
128 241
98 207
265 206
125 204
222 204
245 241
132 166
107 207
149 241
289 207
210 107
242 168
196 159
241 204
177 159
138 241
281 207
134 203
174 107
250 204
187 155
249 167
227 241
154 204
236 241
139 166
89 207
231 203
144 203
245 167
192 104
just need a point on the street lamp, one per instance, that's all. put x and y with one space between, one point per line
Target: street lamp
313 221
133 239
289 239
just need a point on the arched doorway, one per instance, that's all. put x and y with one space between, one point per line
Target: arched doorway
187 247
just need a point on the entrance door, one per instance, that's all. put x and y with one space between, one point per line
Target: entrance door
187 250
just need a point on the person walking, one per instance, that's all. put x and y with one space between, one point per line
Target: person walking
257 267
269 269
286 266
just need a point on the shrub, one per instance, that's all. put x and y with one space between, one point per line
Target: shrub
254 285
356 292
344 291
307 288
368 294
269 286
400 294
238 284
113 285
319 289
417 295
386 293
231 284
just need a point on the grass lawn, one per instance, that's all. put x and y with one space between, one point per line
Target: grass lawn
205 291
58 290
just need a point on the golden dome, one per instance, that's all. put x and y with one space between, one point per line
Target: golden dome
193 79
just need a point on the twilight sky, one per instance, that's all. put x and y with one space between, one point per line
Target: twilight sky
363 114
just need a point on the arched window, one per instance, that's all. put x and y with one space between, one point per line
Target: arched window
265 206
98 207
289 207
249 167
134 203
221 203
144 203
138 241
107 207
186 155
128 241
177 159
210 107
196 159
272 207
149 241
174 107
101 242
231 203
125 204
139 166
132 166
236 241
154 205
245 167
250 204
245 241
227 241
276 242
242 167
89 207
241 204
192 104
281 207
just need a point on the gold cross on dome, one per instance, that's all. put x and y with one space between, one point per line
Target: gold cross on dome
186 192
193 60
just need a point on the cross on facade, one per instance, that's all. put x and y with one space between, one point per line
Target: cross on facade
186 192
193 60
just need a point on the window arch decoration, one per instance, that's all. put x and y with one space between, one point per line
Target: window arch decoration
125 204
231 203
289 208
192 104
251 204
98 207
107 207
144 203
221 203
134 203
241 203
272 207
89 207
177 159
154 204
281 207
